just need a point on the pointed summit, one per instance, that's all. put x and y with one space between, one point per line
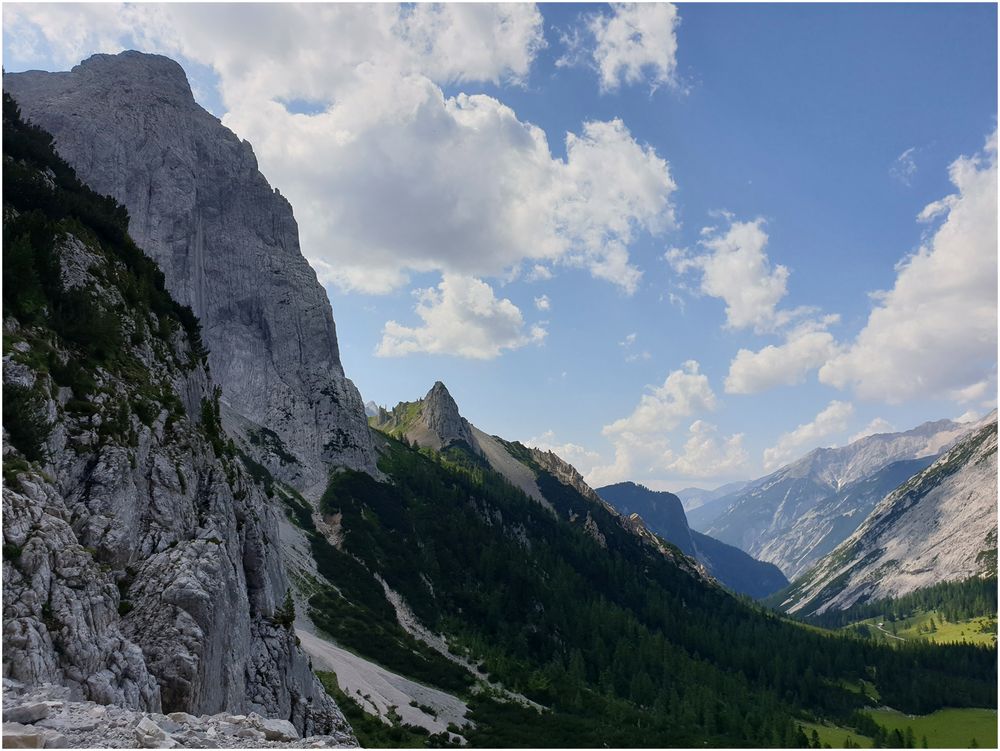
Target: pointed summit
442 418
434 421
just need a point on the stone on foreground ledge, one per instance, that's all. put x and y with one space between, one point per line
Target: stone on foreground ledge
60 722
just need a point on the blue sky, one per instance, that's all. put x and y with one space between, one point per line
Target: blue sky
809 137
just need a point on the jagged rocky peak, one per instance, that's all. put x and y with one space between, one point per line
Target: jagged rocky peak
442 418
566 473
433 421
228 245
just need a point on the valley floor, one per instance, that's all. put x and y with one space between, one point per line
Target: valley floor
946 728
933 627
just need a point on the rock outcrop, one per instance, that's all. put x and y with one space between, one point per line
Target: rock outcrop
48 717
141 565
433 421
567 474
941 525
228 245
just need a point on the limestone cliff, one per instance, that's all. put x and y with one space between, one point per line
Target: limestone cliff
140 558
228 245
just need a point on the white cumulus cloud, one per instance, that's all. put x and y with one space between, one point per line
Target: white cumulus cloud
707 455
735 268
461 317
683 393
935 332
388 175
806 348
831 421
543 303
636 43
641 440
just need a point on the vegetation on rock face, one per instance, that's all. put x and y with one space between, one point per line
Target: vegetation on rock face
50 200
69 324
399 420
25 421
619 644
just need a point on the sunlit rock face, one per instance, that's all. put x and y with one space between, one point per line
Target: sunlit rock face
228 245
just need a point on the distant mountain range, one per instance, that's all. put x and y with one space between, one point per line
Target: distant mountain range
805 509
692 498
940 525
664 514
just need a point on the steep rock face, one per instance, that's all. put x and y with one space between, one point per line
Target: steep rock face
662 511
567 474
835 517
441 419
227 243
938 526
759 518
140 559
665 515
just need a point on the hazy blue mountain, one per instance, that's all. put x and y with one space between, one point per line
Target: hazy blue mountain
692 498
661 511
664 515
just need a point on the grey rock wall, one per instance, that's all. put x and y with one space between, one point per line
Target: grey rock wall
228 245
141 565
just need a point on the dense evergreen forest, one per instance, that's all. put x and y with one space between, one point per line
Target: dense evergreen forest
619 643
954 600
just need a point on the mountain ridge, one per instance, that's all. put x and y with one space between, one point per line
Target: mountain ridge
938 526
770 513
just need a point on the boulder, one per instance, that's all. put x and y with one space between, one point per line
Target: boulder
16 735
26 714
279 730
